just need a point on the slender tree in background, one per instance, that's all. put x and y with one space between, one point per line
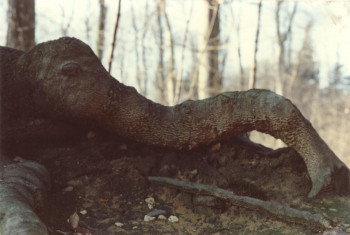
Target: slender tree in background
209 77
160 83
137 54
281 44
179 78
114 37
145 52
171 79
252 78
101 29
238 47
306 77
140 48
21 24
166 66
307 69
200 80
215 77
304 72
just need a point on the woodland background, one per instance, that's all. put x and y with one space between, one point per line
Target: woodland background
174 50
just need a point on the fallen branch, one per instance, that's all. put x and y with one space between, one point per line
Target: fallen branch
316 221
23 188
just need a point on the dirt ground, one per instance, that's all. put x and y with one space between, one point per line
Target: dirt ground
103 179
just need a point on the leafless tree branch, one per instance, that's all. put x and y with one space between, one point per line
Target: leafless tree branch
114 37
252 79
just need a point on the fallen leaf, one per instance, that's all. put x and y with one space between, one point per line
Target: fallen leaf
74 220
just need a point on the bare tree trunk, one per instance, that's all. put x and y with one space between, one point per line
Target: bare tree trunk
99 98
215 77
202 75
280 52
179 72
114 37
101 29
205 84
281 39
144 50
140 50
136 40
160 69
241 69
21 26
252 78
171 80
303 68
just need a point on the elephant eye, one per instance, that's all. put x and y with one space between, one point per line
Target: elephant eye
71 69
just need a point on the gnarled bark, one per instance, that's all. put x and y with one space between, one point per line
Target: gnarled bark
23 188
63 80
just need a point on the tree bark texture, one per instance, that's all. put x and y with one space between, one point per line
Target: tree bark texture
21 27
64 81
23 189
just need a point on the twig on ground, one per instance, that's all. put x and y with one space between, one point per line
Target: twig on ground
316 221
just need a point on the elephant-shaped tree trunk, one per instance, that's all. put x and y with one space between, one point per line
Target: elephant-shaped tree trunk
63 80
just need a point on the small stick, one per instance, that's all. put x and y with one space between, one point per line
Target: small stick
316 221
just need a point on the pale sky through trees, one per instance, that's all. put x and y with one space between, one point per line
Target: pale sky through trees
330 34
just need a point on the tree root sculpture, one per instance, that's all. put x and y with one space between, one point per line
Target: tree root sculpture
63 80
23 188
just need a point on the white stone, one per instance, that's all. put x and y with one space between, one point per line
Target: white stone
83 212
162 217
118 224
150 202
173 219
148 218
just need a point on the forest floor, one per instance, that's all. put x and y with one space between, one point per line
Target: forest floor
104 180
